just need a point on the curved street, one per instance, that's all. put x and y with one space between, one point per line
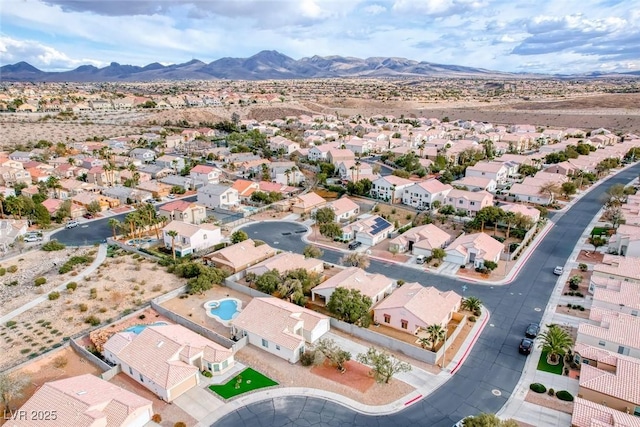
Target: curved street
494 362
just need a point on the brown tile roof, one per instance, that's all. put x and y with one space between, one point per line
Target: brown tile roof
590 414
83 401
621 384
276 320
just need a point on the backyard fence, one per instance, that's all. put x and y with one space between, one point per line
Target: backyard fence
107 375
48 353
121 245
101 364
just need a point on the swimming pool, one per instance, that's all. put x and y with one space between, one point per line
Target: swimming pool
223 310
138 328
133 242
249 210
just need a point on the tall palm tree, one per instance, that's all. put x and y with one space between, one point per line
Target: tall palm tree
358 164
436 333
113 223
288 173
173 234
555 341
510 219
53 182
1 205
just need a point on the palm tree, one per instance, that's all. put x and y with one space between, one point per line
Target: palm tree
352 168
473 304
1 205
555 341
288 173
436 333
173 234
510 219
113 223
358 164
421 148
53 182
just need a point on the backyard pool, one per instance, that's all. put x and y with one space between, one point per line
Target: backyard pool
138 328
134 242
223 310
250 209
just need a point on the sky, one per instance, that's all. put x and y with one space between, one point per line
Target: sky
541 36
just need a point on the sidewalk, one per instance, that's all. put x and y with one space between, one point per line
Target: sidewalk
424 382
100 257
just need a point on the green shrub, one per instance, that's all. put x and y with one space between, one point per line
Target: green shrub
10 323
12 269
3 271
551 392
40 281
92 320
582 266
472 319
53 245
73 261
83 307
564 395
207 374
538 388
72 286
54 296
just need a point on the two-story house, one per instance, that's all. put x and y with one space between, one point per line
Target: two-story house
184 211
143 154
494 170
218 196
205 174
190 238
469 201
390 188
422 194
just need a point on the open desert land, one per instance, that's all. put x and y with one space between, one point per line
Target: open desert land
117 287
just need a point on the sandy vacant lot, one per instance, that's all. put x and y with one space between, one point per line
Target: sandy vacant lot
121 284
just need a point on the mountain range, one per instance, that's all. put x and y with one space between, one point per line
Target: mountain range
265 65
268 64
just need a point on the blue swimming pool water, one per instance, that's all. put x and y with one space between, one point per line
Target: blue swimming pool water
225 309
138 328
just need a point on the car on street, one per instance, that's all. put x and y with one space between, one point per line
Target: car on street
354 244
461 422
88 215
558 271
532 330
171 196
526 345
71 224
32 238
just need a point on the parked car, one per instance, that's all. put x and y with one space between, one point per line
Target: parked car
88 215
558 271
32 238
532 330
71 224
420 259
171 196
526 345
354 244
461 422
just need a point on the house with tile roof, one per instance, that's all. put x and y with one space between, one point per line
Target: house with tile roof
354 171
218 196
626 241
422 194
344 208
240 256
375 286
590 414
412 307
191 238
85 401
611 379
167 359
337 155
205 174
307 203
470 201
475 183
368 230
528 211
279 327
245 188
287 261
182 210
474 249
390 188
617 295
618 267
612 331
421 240
496 171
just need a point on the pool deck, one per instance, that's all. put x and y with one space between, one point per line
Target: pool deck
225 322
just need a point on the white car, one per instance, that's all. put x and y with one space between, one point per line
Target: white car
32 238
71 224
461 422
171 196
558 271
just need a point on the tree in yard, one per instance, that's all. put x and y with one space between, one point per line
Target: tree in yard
324 215
337 356
239 236
614 215
568 188
383 365
206 278
11 387
351 306
473 304
527 170
615 195
393 249
438 253
597 242
311 251
42 216
447 210
355 259
555 341
94 207
435 334
488 420
574 282
268 282
331 230
490 265
173 234
550 189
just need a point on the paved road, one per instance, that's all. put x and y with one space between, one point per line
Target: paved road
493 364
94 231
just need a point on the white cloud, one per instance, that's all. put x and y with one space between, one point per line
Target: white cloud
374 9
39 55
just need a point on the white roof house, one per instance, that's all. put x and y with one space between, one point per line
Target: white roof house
191 238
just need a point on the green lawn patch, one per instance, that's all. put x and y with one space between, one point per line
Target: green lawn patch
599 231
544 366
245 381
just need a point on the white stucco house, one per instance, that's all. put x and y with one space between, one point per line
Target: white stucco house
190 238
218 196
